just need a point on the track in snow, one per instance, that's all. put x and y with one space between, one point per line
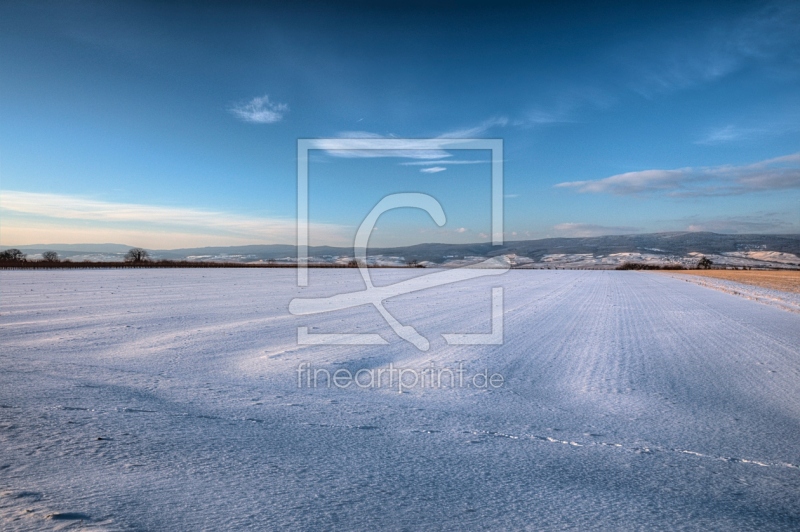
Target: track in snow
161 399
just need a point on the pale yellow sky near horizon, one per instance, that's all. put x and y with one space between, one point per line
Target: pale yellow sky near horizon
33 218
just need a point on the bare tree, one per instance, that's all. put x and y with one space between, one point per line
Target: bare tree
704 263
50 256
12 254
137 255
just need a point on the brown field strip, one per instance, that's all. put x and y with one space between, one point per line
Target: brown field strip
788 281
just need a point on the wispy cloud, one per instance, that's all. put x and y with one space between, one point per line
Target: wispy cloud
674 58
779 173
583 230
760 222
359 144
537 117
767 35
565 105
447 162
788 123
27 214
729 133
260 110
433 169
475 131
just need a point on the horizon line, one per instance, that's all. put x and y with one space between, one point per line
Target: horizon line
43 246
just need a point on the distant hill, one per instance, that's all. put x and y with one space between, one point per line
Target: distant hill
270 251
659 243
674 247
75 248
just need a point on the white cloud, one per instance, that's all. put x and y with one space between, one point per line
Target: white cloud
583 230
632 182
433 169
447 162
347 144
30 217
780 173
359 144
461 230
261 110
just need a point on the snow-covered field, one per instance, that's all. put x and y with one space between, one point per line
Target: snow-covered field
782 299
168 400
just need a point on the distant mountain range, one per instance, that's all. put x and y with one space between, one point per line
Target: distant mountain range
601 251
74 248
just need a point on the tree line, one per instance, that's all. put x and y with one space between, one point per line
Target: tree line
134 255
13 258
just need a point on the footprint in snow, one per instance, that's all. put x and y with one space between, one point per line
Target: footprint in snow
69 516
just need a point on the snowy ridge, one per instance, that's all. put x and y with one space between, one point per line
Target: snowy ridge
756 251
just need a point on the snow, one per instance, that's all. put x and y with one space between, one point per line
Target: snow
610 261
782 299
767 256
168 399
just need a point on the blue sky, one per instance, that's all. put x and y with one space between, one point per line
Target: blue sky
175 125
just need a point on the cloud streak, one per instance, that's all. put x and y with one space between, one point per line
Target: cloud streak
475 131
447 162
584 230
780 173
766 36
358 144
742 224
260 110
729 133
788 123
26 213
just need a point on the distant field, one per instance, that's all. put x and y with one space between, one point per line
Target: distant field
788 281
